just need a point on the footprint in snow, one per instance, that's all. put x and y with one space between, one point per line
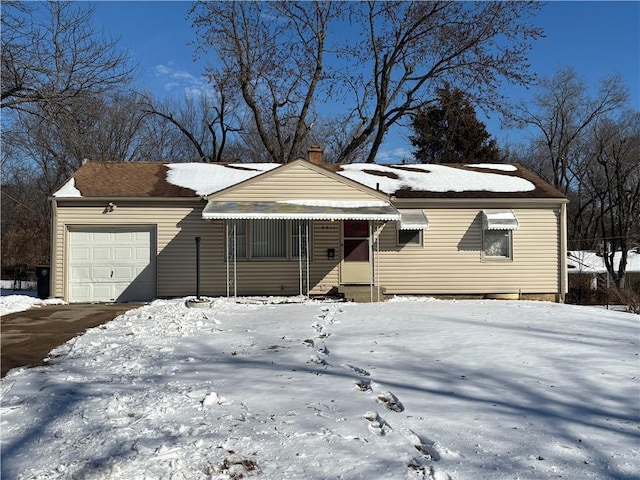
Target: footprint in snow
390 401
321 348
363 385
357 370
376 423
416 470
319 330
328 314
423 444
317 360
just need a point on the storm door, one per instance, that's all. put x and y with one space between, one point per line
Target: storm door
356 252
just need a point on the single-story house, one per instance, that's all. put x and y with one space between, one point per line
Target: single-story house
587 270
125 231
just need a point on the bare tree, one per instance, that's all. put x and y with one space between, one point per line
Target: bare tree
560 115
88 127
274 52
408 49
613 173
391 60
24 216
51 54
205 120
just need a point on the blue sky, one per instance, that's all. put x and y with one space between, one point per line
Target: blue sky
595 38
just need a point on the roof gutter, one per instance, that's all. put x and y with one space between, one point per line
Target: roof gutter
421 202
196 198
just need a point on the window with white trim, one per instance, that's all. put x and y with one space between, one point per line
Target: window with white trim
496 244
497 234
411 227
409 238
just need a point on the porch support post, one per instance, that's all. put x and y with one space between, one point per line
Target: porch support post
306 237
231 252
235 263
371 261
226 224
198 268
377 261
303 228
300 255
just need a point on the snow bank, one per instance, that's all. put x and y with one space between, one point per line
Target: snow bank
406 389
19 303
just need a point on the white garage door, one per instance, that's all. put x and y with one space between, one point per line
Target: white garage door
111 264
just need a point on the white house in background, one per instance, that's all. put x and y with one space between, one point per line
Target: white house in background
586 268
125 231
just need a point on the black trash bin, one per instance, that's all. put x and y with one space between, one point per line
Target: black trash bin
42 274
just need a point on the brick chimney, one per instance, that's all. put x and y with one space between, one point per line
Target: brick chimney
314 154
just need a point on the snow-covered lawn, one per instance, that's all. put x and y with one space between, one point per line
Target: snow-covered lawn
404 389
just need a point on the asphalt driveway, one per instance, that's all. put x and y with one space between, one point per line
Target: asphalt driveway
27 337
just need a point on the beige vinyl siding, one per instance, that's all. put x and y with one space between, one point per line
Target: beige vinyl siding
451 262
176 226
299 182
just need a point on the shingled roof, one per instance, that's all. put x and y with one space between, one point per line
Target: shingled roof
427 178
150 179
126 179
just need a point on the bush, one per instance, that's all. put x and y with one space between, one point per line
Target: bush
628 298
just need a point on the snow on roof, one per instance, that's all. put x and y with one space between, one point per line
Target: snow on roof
68 190
154 179
338 203
432 178
207 178
495 166
584 261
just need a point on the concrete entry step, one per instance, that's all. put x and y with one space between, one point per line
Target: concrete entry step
362 293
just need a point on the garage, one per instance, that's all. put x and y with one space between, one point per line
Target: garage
111 264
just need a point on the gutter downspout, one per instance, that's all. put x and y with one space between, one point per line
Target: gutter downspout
52 247
307 242
378 232
564 279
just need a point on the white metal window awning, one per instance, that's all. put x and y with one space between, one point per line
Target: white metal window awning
301 210
499 220
412 219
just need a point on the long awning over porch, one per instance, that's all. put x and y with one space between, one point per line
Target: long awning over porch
301 210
